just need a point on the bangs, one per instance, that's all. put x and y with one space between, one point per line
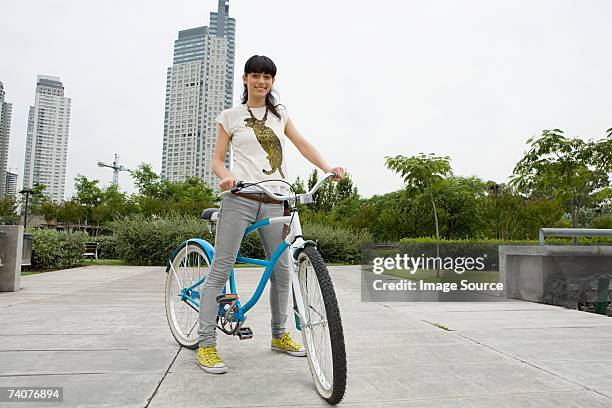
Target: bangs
260 64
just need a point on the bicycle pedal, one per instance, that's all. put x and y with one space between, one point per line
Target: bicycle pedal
244 333
227 298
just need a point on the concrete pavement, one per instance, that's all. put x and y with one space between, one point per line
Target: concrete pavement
101 333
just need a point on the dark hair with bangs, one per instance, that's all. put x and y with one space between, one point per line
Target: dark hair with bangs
260 64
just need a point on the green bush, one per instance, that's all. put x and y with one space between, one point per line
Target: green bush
549 241
336 244
251 247
108 246
143 241
603 221
433 240
150 241
53 249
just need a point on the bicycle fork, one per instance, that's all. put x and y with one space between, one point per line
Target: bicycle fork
298 301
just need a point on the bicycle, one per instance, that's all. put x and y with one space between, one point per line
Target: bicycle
315 306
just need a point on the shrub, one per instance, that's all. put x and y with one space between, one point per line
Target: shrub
150 241
603 221
143 241
432 240
251 247
337 244
108 246
53 249
548 241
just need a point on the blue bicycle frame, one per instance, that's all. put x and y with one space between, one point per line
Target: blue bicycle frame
192 295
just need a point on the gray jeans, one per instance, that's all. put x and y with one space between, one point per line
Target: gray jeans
235 215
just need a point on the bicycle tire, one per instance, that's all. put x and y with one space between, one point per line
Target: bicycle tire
331 386
183 318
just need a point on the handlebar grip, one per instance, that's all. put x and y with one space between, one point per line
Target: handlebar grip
237 186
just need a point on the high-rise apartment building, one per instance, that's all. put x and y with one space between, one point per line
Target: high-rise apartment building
199 85
11 184
5 131
47 138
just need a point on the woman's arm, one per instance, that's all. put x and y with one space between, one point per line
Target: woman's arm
218 162
310 152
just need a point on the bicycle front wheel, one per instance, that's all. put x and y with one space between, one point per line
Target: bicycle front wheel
189 265
322 330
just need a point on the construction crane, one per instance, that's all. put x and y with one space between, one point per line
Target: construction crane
116 169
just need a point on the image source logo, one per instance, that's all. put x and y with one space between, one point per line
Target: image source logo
430 273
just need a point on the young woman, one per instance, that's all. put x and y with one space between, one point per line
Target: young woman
256 129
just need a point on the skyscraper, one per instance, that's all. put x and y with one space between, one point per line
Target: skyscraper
11 184
199 85
5 131
223 26
47 138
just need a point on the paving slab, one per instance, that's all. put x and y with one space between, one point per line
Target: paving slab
101 333
89 390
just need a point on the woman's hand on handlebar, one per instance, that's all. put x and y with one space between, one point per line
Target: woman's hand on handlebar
339 171
227 183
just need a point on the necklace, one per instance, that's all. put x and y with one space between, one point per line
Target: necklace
263 120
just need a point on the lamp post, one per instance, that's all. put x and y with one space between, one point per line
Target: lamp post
27 192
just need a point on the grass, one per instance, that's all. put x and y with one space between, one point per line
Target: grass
441 326
37 271
86 262
90 261
120 262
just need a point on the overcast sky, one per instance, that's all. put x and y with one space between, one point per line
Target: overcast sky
361 79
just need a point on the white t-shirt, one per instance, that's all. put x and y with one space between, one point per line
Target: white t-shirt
258 149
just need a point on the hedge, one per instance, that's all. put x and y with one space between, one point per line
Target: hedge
108 246
549 241
142 241
150 241
52 249
337 244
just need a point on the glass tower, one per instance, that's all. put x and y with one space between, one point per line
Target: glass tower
199 85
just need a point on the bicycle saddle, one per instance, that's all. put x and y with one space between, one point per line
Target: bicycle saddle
210 214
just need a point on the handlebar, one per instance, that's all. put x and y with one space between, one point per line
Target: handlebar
305 198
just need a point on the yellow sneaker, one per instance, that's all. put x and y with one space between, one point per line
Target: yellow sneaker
209 361
286 345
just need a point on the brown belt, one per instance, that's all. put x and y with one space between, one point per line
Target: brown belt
261 197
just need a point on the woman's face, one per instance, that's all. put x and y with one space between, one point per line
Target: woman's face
258 85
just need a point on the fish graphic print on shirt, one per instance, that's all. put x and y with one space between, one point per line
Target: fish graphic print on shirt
269 142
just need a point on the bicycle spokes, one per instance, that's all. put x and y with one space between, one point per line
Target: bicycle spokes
322 328
188 268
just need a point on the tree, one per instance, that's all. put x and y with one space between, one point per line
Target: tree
570 171
324 198
157 196
8 209
114 204
345 188
147 181
422 173
460 198
88 194
347 201
71 212
41 204
298 186
502 208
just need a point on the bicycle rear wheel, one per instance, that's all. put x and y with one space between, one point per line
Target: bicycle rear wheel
322 331
189 265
